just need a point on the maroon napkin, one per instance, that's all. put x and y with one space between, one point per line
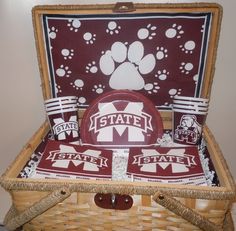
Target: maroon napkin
168 165
62 160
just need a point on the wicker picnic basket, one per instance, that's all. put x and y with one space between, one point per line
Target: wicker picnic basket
49 204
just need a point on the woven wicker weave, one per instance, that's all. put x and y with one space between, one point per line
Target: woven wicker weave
48 204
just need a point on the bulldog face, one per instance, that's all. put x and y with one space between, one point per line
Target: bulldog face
187 121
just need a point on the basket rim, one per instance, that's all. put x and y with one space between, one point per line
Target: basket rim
9 182
120 187
199 5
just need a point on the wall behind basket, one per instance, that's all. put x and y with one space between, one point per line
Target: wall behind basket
21 100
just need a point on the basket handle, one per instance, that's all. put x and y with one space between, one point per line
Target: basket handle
186 213
13 220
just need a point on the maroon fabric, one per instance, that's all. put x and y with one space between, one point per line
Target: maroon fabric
169 54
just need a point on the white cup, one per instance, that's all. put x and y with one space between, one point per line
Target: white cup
62 115
191 103
62 100
61 109
189 115
191 99
190 109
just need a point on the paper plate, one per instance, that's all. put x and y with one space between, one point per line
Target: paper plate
121 118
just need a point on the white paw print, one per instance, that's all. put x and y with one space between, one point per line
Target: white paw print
124 62
67 53
89 37
186 67
188 47
74 24
152 87
91 67
195 78
98 88
113 28
63 71
173 92
81 100
161 53
174 31
147 32
78 84
167 104
52 33
58 89
162 75
203 28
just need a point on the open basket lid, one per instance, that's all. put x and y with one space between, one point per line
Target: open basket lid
159 50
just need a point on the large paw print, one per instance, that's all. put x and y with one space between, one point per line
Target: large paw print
124 63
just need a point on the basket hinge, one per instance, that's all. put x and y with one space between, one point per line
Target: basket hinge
123 7
113 201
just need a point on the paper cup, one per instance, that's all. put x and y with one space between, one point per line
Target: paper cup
60 102
189 115
190 103
187 126
191 99
190 109
61 109
62 114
